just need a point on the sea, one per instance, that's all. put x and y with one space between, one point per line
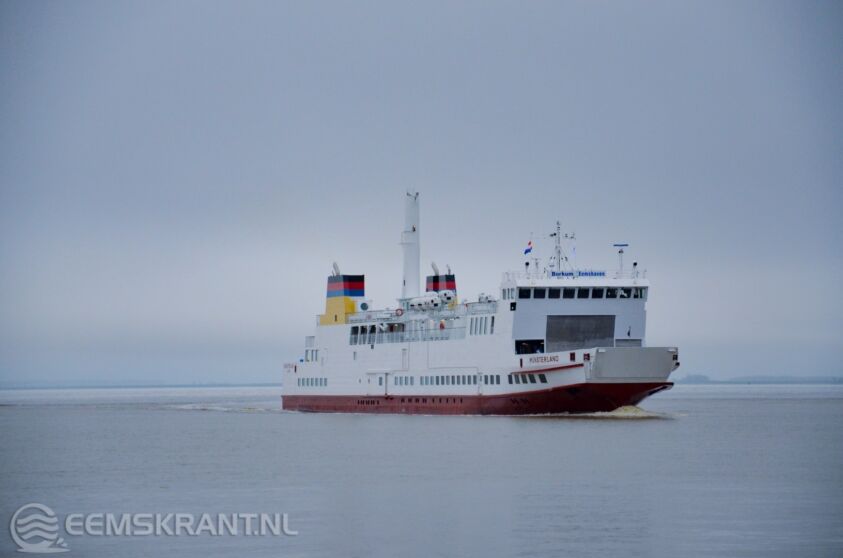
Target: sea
700 470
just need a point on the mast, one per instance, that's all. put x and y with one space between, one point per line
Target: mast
410 245
558 248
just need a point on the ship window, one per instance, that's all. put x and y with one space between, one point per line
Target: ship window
492 328
568 293
532 378
380 380
539 293
353 338
611 293
485 378
517 378
453 380
553 293
582 293
626 292
509 378
529 346
437 380
543 378
597 293
497 378
523 293
411 380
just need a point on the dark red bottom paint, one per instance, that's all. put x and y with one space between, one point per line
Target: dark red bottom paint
576 398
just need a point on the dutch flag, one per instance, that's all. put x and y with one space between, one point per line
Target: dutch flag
529 248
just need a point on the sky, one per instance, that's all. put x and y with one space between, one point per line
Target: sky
176 178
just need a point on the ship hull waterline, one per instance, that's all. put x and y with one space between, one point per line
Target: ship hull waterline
589 397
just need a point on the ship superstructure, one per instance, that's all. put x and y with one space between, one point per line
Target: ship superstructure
550 340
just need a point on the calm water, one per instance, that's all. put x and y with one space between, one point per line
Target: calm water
709 471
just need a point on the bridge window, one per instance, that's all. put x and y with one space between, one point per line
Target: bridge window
553 293
568 293
626 292
582 293
597 293
639 292
611 293
529 346
539 293
523 293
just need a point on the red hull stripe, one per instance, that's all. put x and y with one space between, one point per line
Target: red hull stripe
575 398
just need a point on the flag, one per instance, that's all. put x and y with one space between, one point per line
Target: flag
529 248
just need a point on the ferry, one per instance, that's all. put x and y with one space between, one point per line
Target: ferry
551 340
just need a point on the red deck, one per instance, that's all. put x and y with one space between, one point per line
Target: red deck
576 398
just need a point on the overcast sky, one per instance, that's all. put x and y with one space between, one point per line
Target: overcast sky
177 177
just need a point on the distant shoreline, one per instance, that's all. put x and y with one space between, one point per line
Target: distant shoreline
701 379
131 386
693 379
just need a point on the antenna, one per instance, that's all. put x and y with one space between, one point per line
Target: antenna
336 270
435 268
620 246
560 254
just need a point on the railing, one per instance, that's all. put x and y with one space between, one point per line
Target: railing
421 334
